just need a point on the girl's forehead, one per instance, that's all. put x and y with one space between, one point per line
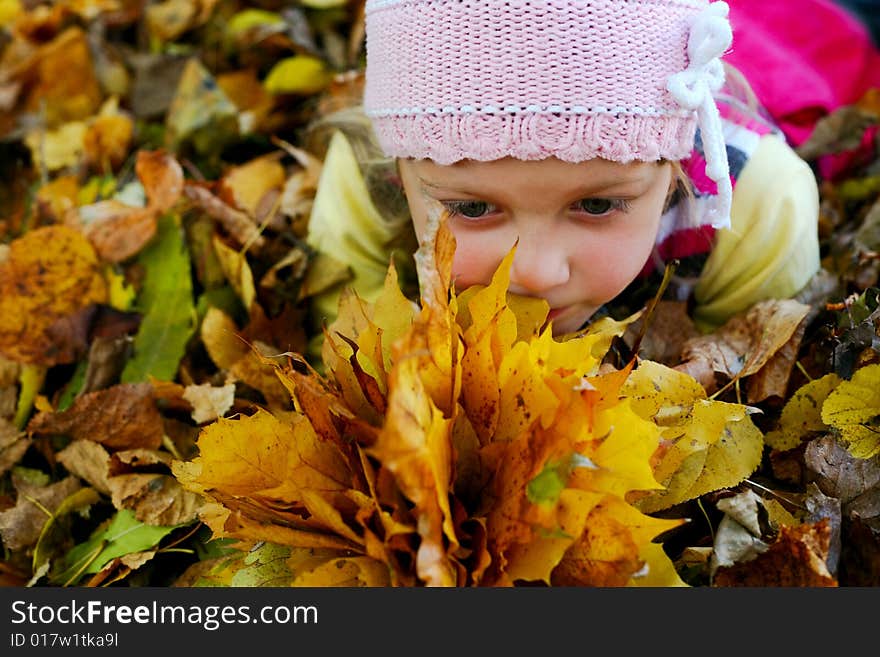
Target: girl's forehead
554 172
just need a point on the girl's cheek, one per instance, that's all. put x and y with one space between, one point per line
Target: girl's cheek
476 258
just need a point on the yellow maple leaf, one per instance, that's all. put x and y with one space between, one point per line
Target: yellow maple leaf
853 408
271 469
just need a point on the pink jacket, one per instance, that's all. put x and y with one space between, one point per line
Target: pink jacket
803 58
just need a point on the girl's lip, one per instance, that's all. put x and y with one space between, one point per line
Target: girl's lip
556 312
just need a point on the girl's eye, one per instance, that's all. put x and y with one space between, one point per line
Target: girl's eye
469 209
600 206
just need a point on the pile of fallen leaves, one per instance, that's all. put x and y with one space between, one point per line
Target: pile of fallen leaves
165 420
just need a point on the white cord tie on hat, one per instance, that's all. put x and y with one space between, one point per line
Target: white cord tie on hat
693 89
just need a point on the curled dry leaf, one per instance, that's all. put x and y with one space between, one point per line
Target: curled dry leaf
155 499
235 222
745 344
119 231
796 558
13 445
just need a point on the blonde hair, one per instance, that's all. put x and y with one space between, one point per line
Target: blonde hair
379 171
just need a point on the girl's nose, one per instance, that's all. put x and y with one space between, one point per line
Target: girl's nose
539 265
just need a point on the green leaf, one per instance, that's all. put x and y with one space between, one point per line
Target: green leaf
166 302
31 379
51 535
124 535
265 565
74 385
546 486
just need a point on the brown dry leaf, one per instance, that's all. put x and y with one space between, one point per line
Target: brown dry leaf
162 177
670 327
254 103
797 558
57 197
209 402
745 344
120 417
771 380
129 460
21 525
50 273
838 473
13 445
89 461
230 352
155 499
245 186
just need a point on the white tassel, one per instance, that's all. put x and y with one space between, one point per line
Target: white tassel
693 89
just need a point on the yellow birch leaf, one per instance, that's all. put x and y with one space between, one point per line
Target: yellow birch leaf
300 74
731 459
50 273
709 445
802 414
853 408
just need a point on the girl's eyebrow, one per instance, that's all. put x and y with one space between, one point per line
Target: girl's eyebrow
587 188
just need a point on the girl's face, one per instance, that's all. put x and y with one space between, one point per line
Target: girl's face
584 230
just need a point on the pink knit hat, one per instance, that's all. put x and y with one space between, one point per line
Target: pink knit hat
622 80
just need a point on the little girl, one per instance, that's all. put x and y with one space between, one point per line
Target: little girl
598 136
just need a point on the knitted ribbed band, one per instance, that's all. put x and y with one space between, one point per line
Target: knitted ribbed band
622 80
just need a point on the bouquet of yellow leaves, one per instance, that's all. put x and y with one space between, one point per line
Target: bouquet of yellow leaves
457 443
